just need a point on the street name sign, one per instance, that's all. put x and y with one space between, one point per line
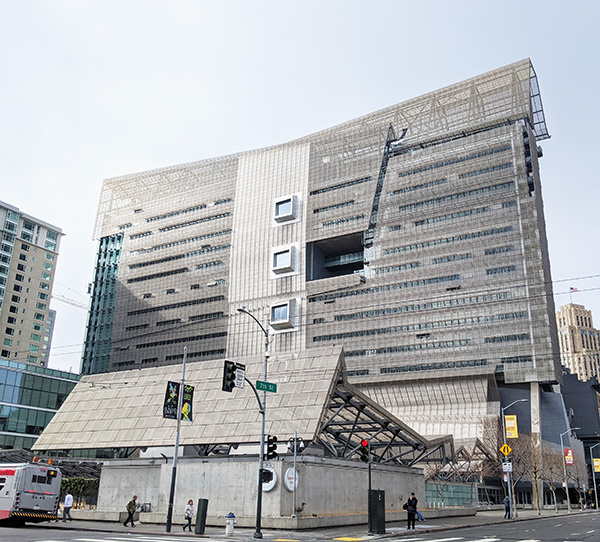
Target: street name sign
266 386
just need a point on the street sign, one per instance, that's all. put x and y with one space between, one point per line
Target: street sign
240 374
505 449
266 386
507 467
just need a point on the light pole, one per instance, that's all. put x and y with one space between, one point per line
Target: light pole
562 447
509 474
263 411
594 473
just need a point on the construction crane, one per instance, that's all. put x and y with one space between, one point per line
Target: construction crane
392 148
63 299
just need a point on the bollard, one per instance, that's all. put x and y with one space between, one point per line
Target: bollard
229 522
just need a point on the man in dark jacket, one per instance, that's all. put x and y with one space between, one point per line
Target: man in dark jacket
131 510
411 510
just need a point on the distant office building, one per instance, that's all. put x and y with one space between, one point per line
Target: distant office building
29 398
28 257
413 236
579 341
48 333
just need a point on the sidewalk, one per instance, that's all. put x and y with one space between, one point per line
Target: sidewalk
348 532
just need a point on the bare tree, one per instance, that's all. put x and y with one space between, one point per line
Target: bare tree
552 470
579 474
439 474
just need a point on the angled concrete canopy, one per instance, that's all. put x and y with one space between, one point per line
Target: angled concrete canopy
124 410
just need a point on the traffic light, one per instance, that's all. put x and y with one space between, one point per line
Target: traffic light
229 376
364 450
271 447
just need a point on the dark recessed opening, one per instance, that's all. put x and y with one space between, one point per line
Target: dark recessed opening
334 257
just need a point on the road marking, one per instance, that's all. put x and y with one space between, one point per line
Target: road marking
445 539
349 539
298 540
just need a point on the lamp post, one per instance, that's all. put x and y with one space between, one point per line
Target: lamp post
594 473
509 474
258 533
562 447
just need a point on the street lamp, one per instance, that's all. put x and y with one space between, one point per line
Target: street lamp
594 473
562 447
509 474
258 533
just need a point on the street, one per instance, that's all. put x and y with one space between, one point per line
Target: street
576 528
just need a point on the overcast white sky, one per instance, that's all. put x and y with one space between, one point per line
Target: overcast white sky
96 89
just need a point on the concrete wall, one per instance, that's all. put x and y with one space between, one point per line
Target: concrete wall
328 487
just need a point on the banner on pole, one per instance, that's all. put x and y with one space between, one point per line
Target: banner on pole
172 400
596 465
569 459
510 422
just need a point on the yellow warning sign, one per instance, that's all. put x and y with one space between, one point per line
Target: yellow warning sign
505 449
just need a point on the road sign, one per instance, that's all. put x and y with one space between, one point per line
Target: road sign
505 449
266 386
507 466
240 374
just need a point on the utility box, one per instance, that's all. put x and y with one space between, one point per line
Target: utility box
201 516
376 511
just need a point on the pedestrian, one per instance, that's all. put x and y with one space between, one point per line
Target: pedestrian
506 507
68 506
131 510
189 512
411 510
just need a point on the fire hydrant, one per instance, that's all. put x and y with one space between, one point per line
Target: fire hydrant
229 522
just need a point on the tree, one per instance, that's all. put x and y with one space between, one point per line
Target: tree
552 470
80 488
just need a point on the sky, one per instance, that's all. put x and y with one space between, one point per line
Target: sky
91 90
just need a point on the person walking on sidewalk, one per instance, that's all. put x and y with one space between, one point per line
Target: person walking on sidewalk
68 506
506 507
411 510
189 513
130 510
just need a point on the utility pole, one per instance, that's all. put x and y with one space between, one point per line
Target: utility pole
176 452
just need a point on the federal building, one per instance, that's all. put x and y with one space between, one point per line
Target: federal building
412 237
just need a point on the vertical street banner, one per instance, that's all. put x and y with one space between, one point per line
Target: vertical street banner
569 459
172 400
510 422
596 465
186 406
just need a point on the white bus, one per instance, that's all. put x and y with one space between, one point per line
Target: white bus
29 492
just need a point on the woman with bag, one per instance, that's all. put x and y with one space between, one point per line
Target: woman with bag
189 512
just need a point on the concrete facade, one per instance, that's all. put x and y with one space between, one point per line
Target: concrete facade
326 488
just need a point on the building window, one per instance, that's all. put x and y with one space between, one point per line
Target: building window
19 277
146 296
9 331
24 247
23 257
282 315
284 260
171 291
21 267
286 209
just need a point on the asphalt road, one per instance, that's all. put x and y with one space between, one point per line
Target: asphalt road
576 528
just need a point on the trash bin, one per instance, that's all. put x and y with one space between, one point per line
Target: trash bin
376 511
201 516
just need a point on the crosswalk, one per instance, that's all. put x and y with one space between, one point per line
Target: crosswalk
120 538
